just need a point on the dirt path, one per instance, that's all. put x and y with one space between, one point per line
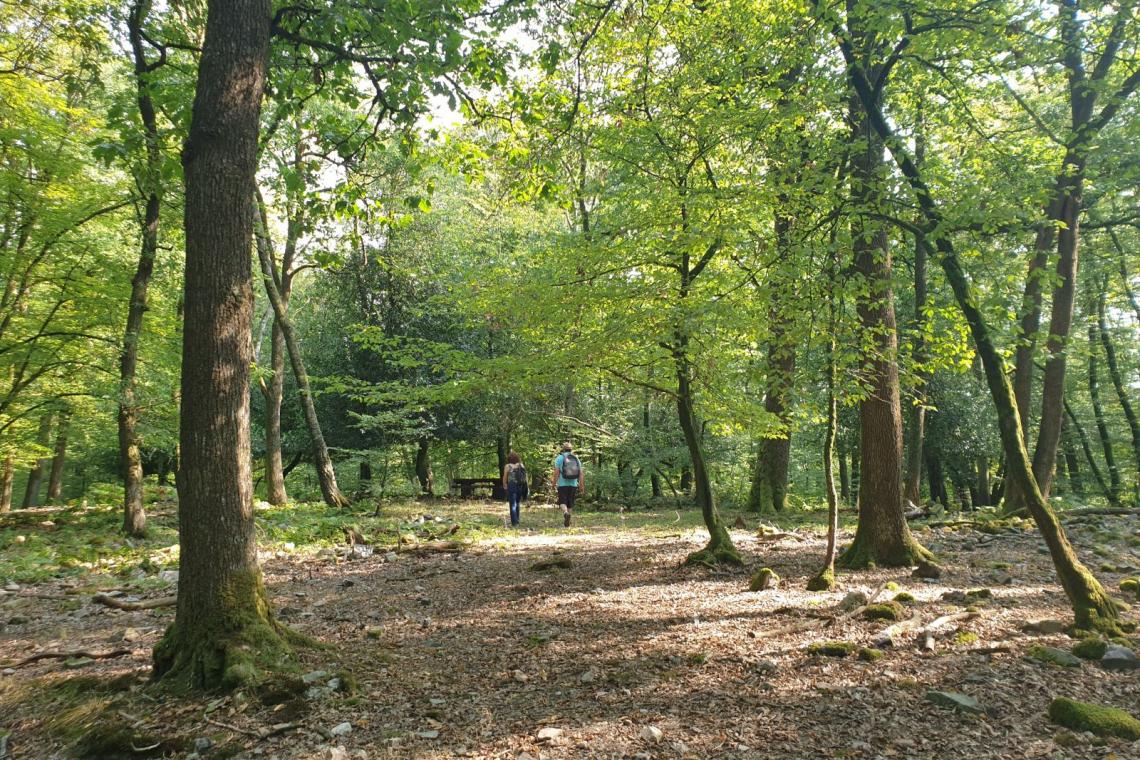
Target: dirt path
622 654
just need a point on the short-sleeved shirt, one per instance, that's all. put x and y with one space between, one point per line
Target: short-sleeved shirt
558 466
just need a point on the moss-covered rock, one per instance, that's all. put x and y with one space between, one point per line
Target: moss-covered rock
891 610
979 594
870 654
1102 721
824 580
1091 648
964 638
891 586
927 569
832 648
904 597
1054 656
1131 586
764 578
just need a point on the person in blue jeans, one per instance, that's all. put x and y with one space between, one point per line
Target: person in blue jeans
568 479
515 483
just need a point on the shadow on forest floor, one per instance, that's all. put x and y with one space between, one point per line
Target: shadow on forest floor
474 653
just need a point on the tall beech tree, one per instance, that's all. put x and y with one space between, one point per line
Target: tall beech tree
1093 608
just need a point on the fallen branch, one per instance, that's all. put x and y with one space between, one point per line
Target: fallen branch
927 633
261 733
436 547
120 604
1082 511
826 621
70 655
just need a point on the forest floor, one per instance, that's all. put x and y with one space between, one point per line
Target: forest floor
614 649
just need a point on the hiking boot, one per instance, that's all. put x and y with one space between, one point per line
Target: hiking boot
566 519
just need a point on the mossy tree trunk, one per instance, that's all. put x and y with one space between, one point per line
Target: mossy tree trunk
7 475
223 629
1092 607
326 475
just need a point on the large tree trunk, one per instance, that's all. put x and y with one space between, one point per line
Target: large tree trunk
223 629
1116 377
55 480
326 475
36 473
1114 483
423 467
130 457
882 536
7 475
1092 607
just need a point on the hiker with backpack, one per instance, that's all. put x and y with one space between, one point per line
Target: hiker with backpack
568 479
515 483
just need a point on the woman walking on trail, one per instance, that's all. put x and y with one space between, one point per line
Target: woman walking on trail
515 482
568 479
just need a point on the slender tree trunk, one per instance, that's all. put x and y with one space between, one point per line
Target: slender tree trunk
274 392
982 481
55 481
1125 279
36 474
7 475
1114 483
1072 461
223 629
844 477
936 480
1116 377
882 536
824 580
916 431
130 456
326 475
423 467
1098 476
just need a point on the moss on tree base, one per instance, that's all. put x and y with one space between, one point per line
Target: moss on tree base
1102 721
719 551
824 580
861 555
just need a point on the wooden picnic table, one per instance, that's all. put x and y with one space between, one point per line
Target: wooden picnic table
467 487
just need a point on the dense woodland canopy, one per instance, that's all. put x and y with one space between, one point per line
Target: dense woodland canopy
767 255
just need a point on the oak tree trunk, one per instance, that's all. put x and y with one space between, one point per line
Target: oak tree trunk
223 629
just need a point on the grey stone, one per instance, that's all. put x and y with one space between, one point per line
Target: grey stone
853 600
170 576
203 744
430 734
1046 626
588 677
314 676
1055 656
652 734
341 729
1117 657
335 753
955 701
549 734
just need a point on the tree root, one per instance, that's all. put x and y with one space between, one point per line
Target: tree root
712 556
120 604
69 655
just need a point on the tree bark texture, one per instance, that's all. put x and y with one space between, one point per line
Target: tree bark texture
1114 483
7 475
1117 378
55 480
423 467
223 630
882 536
36 473
130 455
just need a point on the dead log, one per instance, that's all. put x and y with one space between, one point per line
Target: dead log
70 655
148 604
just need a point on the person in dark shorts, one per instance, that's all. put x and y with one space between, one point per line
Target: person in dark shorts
515 483
569 479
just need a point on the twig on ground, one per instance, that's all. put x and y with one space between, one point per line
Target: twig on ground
120 604
70 655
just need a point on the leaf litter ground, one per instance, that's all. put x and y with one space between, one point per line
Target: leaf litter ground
624 653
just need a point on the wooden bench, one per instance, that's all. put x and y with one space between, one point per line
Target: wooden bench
467 486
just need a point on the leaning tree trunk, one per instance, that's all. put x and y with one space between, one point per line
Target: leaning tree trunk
326 475
223 629
882 536
55 480
1094 468
1116 377
36 473
130 456
7 474
1092 606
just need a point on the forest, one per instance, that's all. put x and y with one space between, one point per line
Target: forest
834 303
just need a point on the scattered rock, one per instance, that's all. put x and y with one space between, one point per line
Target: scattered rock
652 734
853 600
1102 721
169 576
1117 657
870 654
335 753
549 734
1047 626
429 734
832 648
12 585
550 564
587 677
1090 648
341 729
130 634
904 597
766 667
979 594
77 662
764 579
955 701
1055 656
520 676
203 744
927 570
891 610
8 671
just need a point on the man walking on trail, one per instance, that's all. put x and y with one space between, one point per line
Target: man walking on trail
569 480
